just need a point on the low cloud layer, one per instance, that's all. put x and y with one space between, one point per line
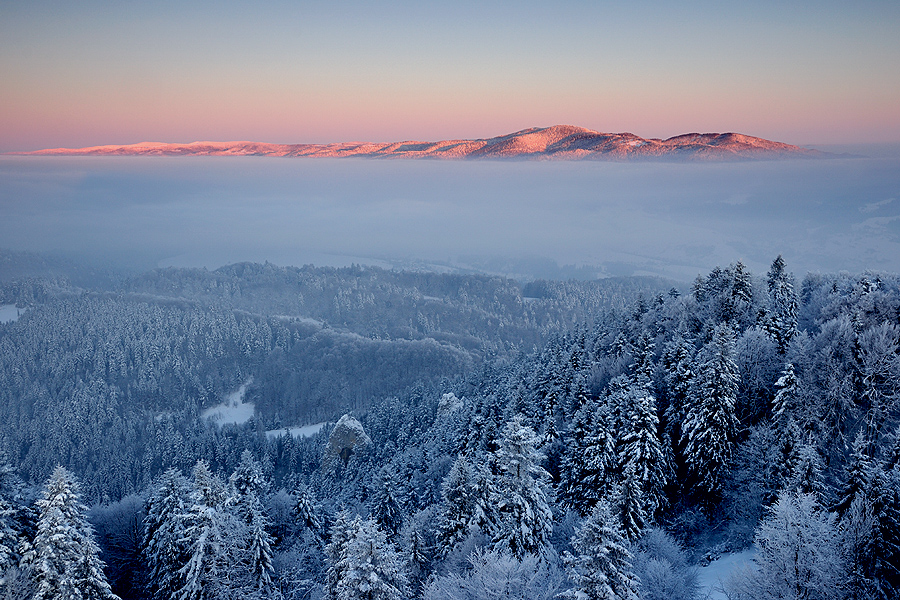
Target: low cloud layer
675 220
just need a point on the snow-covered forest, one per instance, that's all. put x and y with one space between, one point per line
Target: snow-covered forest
483 439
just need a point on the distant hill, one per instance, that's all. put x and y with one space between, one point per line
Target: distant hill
560 142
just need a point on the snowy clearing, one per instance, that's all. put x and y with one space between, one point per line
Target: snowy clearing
302 431
9 313
234 410
713 575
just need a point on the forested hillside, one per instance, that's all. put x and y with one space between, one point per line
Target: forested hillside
600 457
113 383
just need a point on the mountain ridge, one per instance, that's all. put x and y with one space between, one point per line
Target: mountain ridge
559 142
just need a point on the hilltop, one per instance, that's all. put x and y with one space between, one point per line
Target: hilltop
560 142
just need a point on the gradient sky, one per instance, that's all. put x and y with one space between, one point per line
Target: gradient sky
89 72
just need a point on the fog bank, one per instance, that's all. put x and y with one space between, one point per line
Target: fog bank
518 218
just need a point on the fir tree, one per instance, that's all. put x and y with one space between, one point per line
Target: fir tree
370 567
209 533
590 459
782 316
631 504
10 540
164 549
641 449
601 566
807 477
64 556
787 398
525 516
859 477
869 511
342 531
457 507
259 549
710 426
306 512
386 504
246 484
417 560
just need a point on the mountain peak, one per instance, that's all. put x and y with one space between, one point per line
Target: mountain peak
558 142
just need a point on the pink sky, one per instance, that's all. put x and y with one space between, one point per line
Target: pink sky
96 72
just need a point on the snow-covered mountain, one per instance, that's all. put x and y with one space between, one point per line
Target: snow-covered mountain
561 142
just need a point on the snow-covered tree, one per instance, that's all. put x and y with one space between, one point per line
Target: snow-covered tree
631 504
870 520
370 567
663 568
259 549
417 560
457 506
642 451
386 502
210 533
305 511
807 477
246 483
498 576
343 529
590 460
710 426
165 550
245 486
787 396
601 566
10 538
523 506
64 557
782 316
799 554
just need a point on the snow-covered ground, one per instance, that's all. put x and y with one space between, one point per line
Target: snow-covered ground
715 573
303 431
9 313
233 410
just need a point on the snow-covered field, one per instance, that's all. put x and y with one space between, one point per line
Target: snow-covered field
9 313
715 573
234 410
303 431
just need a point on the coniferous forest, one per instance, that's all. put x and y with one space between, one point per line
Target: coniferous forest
359 433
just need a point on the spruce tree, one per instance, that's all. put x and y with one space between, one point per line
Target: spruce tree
782 316
787 396
642 450
342 531
165 550
386 503
305 511
209 533
710 426
601 565
246 484
590 459
631 504
64 556
525 516
807 477
10 539
370 568
457 506
259 549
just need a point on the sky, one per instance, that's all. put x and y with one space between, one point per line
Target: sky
98 72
